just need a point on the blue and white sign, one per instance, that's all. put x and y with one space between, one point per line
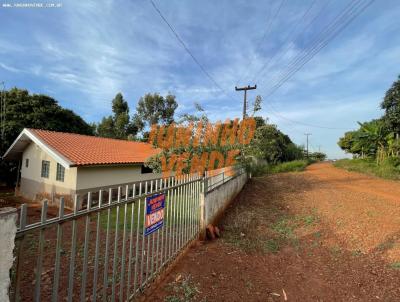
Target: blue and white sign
154 213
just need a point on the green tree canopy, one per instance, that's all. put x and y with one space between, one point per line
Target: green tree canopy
391 105
117 125
155 109
24 110
270 144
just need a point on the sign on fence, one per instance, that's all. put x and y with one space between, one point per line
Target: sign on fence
154 213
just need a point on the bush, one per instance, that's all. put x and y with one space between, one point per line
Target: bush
290 166
388 168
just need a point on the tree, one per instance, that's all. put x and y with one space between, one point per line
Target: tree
319 156
24 110
270 144
259 121
117 125
371 140
106 127
391 105
155 109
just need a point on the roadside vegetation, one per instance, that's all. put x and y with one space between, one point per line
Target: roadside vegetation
291 166
272 151
375 146
266 229
389 168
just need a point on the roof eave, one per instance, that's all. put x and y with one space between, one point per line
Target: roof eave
65 162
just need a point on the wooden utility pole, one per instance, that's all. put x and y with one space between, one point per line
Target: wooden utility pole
307 134
245 97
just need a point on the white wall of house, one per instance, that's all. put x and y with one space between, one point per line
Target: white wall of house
76 179
103 176
33 183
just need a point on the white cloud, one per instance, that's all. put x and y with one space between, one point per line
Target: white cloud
10 68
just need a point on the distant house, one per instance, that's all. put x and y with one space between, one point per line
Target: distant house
57 163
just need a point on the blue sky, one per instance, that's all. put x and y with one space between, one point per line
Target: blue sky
85 52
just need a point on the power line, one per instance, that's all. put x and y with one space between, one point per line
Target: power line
266 33
286 41
280 83
320 42
274 112
186 48
318 38
315 49
307 27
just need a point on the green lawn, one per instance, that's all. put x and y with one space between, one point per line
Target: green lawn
387 169
178 204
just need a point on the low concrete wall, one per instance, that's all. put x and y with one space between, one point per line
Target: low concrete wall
8 229
216 200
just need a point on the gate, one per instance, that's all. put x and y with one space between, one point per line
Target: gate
104 250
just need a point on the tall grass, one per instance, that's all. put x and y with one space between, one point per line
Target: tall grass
290 166
388 168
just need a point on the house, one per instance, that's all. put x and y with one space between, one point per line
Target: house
57 163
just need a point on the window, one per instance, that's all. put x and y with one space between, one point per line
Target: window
26 162
60 172
45 168
146 170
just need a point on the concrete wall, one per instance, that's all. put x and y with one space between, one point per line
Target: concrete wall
216 201
8 229
31 181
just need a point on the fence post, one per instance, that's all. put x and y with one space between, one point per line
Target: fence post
203 192
8 230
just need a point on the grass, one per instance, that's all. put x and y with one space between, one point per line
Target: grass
178 200
185 290
290 166
279 230
395 265
387 169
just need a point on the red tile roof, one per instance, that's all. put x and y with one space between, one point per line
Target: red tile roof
84 150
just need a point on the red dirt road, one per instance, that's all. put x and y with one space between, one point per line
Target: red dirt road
320 235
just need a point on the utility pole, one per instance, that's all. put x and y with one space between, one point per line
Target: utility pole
319 148
307 134
245 97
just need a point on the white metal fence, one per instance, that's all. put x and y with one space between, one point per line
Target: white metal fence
101 252
215 178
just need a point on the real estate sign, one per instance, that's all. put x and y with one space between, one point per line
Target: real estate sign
154 213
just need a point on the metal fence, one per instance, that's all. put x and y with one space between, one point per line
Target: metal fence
216 178
100 250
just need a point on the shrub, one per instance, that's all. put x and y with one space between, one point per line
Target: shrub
388 168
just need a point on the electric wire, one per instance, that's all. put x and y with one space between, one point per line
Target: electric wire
316 49
202 68
266 33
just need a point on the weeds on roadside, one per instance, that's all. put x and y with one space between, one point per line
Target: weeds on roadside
395 265
291 166
387 245
185 290
265 235
389 168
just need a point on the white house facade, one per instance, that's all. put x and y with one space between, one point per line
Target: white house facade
64 164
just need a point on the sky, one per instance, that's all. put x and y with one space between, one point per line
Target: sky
83 53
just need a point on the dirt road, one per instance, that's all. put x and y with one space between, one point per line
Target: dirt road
320 235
